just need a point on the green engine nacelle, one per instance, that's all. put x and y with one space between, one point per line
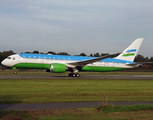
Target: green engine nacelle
57 68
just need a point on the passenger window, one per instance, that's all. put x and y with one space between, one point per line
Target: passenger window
13 58
9 57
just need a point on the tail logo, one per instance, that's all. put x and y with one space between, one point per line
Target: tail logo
130 53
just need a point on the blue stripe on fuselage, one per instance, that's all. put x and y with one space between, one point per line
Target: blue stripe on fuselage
75 58
57 57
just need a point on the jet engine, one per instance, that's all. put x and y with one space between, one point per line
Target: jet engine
57 68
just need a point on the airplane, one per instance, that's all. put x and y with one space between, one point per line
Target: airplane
74 64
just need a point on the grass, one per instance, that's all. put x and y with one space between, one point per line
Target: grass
16 115
79 114
76 90
111 108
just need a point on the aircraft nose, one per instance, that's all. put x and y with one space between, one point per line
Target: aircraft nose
3 62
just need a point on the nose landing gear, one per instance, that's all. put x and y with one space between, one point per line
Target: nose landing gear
15 72
14 68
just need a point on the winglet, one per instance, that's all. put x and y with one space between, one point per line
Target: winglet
130 52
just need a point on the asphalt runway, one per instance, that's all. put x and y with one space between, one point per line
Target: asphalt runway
139 77
45 106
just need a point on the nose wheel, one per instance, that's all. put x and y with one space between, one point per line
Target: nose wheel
74 75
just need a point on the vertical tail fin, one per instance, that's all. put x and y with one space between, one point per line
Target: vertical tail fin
130 52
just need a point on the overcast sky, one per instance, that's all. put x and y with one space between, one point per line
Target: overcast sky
75 26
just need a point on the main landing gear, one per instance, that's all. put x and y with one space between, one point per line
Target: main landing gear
74 75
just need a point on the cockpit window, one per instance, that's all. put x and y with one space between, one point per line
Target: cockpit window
9 58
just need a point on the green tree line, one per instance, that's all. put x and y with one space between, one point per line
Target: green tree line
139 58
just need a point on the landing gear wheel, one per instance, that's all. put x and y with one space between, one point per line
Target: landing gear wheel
74 75
15 72
77 75
70 74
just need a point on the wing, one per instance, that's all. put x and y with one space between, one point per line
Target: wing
90 61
